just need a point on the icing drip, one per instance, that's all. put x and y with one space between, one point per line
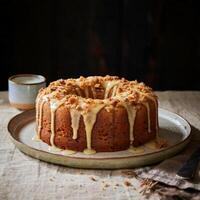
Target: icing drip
114 91
54 105
157 129
68 152
54 149
108 86
36 138
89 151
52 127
89 121
148 116
131 111
148 110
40 118
156 108
75 118
136 150
151 144
37 113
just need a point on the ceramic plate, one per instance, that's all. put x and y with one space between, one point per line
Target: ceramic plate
173 128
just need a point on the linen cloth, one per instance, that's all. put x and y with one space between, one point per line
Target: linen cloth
23 177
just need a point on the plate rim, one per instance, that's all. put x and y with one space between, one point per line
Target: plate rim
19 143
138 155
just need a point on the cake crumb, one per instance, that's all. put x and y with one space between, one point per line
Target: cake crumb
147 185
106 185
161 143
127 183
93 179
129 174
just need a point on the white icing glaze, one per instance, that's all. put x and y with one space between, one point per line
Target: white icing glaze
157 143
108 86
68 152
131 111
36 138
89 151
52 128
75 118
156 109
114 91
54 105
136 150
40 118
146 104
54 149
151 144
89 119
37 113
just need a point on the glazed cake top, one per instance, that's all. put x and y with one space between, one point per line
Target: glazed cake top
110 90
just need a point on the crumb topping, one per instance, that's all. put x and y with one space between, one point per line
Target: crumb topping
85 92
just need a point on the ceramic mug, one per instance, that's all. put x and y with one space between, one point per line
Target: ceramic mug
23 90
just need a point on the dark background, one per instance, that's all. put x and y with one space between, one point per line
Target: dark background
154 41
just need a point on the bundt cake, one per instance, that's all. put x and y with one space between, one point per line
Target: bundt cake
96 114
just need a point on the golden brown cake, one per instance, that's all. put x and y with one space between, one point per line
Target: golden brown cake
96 114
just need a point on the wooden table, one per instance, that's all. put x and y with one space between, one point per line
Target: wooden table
23 177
